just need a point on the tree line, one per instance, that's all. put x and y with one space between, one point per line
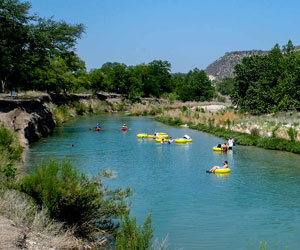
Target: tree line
268 83
39 54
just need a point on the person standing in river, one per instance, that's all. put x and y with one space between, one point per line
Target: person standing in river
230 143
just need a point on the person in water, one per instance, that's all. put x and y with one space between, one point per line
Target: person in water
124 126
225 165
98 125
171 140
224 147
163 141
187 137
230 143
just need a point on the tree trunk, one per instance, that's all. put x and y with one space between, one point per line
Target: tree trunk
2 86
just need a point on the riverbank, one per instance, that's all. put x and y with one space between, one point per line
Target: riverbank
242 138
38 113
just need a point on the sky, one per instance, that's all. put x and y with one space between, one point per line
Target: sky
187 33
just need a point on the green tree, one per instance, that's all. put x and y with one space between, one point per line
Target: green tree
28 43
159 78
195 87
97 79
225 86
66 73
268 83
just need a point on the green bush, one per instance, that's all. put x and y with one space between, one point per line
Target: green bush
9 144
274 130
184 108
72 197
6 136
221 98
292 134
81 108
9 172
133 236
254 131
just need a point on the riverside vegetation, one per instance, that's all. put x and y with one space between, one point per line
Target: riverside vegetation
75 211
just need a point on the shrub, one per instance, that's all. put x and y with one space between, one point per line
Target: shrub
9 145
221 98
274 130
9 172
292 134
61 114
228 123
133 236
75 199
81 108
6 136
254 131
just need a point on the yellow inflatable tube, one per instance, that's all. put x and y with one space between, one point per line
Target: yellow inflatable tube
163 136
222 170
218 149
150 136
142 135
189 140
160 139
180 140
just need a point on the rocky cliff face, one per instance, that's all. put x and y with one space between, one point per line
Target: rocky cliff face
33 118
224 66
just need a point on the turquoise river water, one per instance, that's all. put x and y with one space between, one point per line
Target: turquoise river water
259 201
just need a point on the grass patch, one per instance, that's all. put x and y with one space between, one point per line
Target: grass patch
10 149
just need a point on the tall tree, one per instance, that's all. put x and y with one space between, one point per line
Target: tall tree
195 87
28 43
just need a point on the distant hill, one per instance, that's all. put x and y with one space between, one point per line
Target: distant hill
224 66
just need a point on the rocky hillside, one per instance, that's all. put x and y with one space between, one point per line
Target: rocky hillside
224 66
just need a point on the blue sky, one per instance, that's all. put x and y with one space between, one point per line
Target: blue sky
187 33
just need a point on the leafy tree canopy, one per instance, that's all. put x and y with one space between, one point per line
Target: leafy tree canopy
28 43
268 83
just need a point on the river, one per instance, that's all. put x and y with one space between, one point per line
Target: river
257 202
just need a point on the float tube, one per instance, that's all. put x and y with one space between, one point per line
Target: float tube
160 139
222 170
180 140
142 135
124 128
219 149
163 136
97 129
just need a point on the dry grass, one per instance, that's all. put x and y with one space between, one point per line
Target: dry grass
35 222
145 109
265 124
